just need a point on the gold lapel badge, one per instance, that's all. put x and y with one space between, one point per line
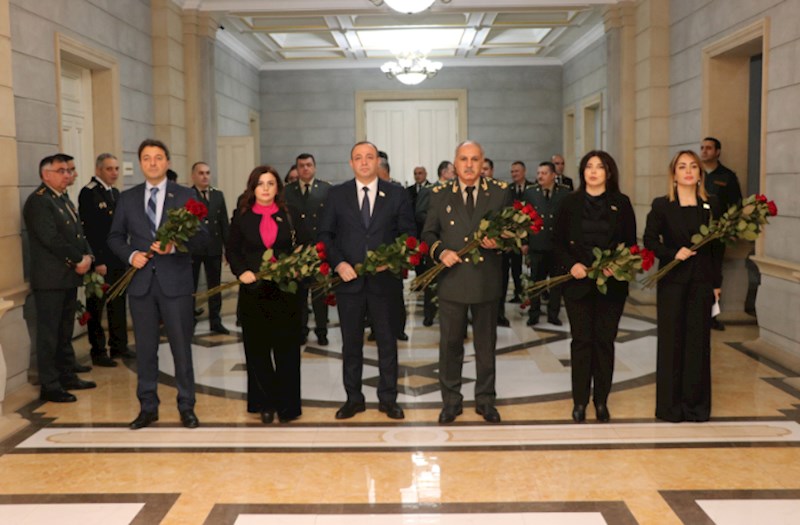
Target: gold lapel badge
381 194
448 209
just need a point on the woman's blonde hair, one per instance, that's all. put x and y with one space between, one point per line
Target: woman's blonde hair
701 183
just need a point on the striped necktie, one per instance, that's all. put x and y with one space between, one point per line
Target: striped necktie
151 210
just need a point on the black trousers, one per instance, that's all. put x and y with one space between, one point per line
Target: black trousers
511 261
55 321
353 308
320 312
428 304
683 365
271 336
453 323
117 320
213 267
594 321
542 266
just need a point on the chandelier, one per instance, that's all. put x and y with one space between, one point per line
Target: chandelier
408 7
411 68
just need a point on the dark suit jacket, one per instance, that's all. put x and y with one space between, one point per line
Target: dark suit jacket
413 193
96 207
518 196
566 181
547 209
568 238
216 222
666 232
448 226
346 238
723 184
56 241
130 231
310 208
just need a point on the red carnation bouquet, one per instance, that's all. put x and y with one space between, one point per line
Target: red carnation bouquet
180 226
625 262
508 227
397 257
742 221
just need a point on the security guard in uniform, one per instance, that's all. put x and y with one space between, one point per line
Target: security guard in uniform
97 201
307 195
545 197
60 256
454 214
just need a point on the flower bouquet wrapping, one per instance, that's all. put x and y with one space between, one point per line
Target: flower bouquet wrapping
180 226
397 257
508 227
625 262
741 221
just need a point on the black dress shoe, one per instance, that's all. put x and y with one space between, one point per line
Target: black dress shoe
199 311
350 409
532 321
428 321
125 353
489 413
601 411
716 324
144 419
402 337
287 419
579 413
103 361
218 328
322 340
393 410
81 369
503 321
76 383
555 321
449 414
189 419
268 416
57 395
515 300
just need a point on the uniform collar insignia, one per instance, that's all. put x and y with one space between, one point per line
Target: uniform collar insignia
448 209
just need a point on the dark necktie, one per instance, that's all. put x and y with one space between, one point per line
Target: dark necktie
547 195
204 193
305 189
365 207
470 201
70 207
151 210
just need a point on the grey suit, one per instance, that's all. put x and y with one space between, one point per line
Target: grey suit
161 290
466 286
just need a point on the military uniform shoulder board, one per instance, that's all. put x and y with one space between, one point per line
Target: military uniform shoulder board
439 187
41 191
500 183
92 184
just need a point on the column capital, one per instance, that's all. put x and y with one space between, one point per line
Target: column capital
200 23
619 15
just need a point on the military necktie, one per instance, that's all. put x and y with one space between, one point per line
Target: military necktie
470 201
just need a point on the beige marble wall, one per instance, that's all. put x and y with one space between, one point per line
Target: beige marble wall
199 30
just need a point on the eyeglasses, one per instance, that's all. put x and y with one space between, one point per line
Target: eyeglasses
60 171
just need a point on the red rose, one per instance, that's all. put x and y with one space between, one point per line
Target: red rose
273 259
517 205
761 198
405 273
773 208
423 248
648 258
525 304
198 209
411 243
330 300
634 249
415 259
320 246
322 256
325 268
105 287
84 318
528 210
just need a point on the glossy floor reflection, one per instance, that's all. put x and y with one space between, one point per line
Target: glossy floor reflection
78 463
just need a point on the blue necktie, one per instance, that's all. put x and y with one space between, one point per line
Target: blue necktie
151 211
365 207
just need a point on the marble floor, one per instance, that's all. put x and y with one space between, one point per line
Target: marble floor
79 464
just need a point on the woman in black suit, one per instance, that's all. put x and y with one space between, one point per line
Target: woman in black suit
595 215
270 318
686 294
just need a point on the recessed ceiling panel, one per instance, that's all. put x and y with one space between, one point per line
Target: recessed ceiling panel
306 55
290 40
410 39
517 36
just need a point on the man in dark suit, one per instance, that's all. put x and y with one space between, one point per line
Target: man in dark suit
307 195
454 215
60 256
97 201
420 181
210 257
360 215
162 287
511 260
545 197
561 178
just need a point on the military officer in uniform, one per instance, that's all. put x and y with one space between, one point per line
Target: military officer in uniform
97 201
454 214
60 256
210 257
545 197
307 195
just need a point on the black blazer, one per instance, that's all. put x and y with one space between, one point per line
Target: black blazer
96 206
245 247
666 232
216 222
568 238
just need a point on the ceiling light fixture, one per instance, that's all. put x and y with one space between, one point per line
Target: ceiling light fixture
408 7
411 68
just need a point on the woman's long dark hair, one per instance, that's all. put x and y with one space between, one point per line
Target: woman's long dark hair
248 198
612 172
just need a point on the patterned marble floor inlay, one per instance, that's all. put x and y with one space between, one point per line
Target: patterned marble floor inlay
420 437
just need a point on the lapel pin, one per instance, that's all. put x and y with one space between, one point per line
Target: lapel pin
278 219
706 206
448 209
170 195
102 205
381 194
614 208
